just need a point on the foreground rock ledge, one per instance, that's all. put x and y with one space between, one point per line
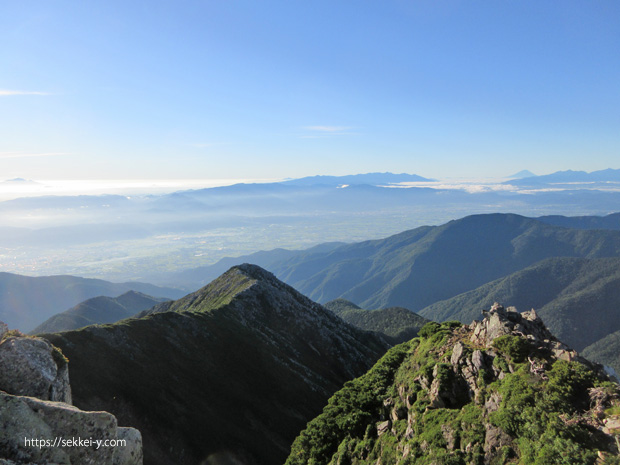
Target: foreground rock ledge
27 418
37 423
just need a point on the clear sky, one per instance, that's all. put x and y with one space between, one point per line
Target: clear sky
271 89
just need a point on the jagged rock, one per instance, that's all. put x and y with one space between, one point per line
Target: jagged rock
383 427
495 439
449 435
398 413
457 354
61 424
132 452
33 367
437 391
478 360
499 321
493 402
4 328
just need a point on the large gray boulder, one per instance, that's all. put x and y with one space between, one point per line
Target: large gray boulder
37 424
34 431
31 366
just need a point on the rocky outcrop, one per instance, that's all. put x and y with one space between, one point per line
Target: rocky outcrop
33 367
37 423
502 321
500 390
34 431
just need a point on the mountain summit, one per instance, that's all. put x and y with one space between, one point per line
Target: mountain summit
501 390
236 368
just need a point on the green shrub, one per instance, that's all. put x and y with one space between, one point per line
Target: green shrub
515 347
429 329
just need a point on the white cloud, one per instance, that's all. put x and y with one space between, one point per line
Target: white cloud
320 132
28 155
328 129
207 145
5 92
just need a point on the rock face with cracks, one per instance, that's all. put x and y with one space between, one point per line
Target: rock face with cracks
37 423
501 390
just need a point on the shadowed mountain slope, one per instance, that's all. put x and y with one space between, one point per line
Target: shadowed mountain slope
234 370
98 310
605 351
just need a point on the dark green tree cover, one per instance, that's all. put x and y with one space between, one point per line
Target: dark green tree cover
605 351
417 268
397 324
578 299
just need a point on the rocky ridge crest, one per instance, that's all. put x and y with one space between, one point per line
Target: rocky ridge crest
500 390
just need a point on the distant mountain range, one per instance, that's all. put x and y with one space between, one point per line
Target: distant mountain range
277 259
98 310
417 268
569 177
19 182
269 215
373 179
27 301
228 374
577 298
611 221
195 278
453 271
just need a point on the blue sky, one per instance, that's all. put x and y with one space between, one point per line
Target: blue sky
247 89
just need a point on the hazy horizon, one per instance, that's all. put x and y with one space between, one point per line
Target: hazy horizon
21 187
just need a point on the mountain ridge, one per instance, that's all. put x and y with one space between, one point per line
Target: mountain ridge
27 301
577 297
373 179
418 267
98 310
214 362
